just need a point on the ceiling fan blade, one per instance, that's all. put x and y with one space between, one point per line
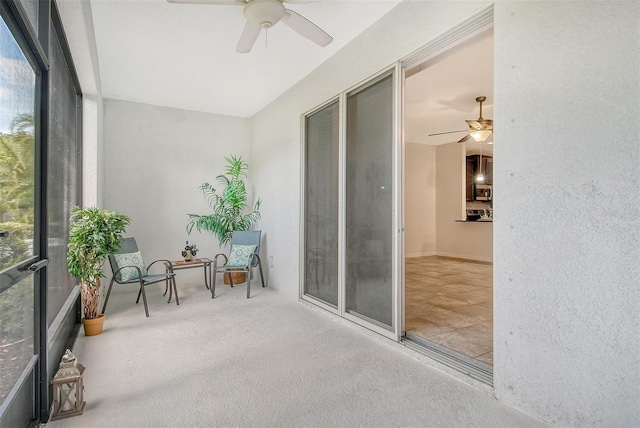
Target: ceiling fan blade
220 2
306 28
465 138
450 132
248 37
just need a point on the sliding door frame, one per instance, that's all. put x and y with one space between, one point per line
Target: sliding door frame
303 185
395 72
478 23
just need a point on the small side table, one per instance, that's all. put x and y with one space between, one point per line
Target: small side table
196 263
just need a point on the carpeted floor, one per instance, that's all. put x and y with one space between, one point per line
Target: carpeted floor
264 362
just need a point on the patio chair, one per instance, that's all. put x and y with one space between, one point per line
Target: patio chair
128 268
243 257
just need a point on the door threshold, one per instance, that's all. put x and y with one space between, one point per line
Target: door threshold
475 369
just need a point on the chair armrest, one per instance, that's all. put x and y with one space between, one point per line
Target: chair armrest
167 264
257 256
215 260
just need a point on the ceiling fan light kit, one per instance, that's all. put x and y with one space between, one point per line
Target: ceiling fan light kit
479 129
480 136
264 14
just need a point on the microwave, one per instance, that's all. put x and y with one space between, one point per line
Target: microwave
483 192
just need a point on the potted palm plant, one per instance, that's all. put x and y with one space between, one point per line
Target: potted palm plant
94 233
229 205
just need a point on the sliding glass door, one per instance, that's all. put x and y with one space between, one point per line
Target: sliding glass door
369 203
19 245
321 204
350 231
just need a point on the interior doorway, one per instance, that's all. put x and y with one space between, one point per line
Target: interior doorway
448 202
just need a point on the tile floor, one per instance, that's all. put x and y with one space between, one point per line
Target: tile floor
450 302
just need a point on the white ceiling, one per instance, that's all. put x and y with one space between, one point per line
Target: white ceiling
183 55
442 94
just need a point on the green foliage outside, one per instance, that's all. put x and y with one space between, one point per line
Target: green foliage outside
17 166
16 216
228 204
16 246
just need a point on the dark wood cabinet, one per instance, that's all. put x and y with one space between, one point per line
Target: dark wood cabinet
471 175
487 169
472 170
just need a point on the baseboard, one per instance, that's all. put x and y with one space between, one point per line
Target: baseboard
473 257
423 254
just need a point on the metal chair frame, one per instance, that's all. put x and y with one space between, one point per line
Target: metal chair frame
129 245
245 237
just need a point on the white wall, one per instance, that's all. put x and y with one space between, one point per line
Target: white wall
566 228
566 272
155 159
435 199
92 153
420 200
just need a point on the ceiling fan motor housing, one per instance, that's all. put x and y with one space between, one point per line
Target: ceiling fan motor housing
265 13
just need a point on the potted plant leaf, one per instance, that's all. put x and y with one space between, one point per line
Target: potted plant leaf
229 205
94 233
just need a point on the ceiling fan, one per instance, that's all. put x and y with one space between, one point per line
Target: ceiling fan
265 14
479 129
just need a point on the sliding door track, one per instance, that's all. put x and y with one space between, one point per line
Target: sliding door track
475 369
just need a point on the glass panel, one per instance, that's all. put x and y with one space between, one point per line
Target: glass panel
17 160
17 89
321 205
62 179
31 10
16 333
369 203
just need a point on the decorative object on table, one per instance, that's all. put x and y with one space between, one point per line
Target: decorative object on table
128 267
244 256
189 252
68 389
94 233
228 205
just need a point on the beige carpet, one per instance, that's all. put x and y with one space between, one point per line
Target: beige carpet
264 362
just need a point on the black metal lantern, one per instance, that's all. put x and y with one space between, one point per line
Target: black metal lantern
68 390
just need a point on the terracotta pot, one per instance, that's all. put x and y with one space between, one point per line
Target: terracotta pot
93 327
237 277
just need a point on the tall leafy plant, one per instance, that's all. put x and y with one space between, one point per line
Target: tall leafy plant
93 235
228 204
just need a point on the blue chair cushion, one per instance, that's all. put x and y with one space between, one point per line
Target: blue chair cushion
239 255
130 259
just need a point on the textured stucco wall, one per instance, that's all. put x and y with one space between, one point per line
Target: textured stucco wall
566 266
155 159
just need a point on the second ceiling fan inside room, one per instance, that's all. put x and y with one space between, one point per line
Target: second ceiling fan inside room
479 129
264 14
